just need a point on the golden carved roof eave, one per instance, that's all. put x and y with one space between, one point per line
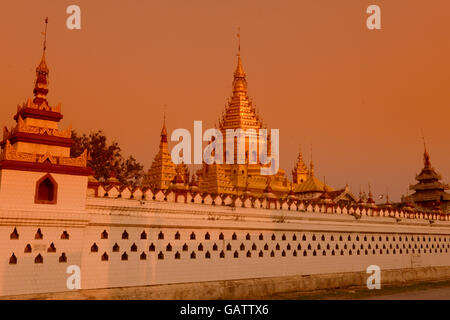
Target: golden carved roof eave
10 153
22 127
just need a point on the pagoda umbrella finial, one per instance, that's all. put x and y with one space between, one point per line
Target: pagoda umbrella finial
426 155
164 129
164 115
239 74
45 34
41 85
239 40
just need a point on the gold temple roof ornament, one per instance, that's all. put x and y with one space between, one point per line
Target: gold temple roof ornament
300 172
22 127
10 153
41 85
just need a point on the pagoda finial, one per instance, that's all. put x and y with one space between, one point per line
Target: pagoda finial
164 130
239 40
239 73
45 34
426 155
311 171
41 85
164 115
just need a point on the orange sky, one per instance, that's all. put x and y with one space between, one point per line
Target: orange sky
314 71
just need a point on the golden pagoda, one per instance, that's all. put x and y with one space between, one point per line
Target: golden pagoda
245 177
163 170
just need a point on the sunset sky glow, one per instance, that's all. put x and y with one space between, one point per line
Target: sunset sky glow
314 71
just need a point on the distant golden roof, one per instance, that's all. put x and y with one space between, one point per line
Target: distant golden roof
312 184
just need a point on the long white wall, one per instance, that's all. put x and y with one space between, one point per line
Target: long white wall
149 242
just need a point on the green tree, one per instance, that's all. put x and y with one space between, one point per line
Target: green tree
131 172
106 159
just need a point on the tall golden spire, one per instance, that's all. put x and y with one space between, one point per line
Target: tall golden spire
41 85
239 112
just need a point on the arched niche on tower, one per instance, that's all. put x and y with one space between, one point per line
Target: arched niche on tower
46 190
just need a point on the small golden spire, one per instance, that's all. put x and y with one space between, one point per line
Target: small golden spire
300 172
311 171
164 130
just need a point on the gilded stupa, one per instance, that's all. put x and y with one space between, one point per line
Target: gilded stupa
163 170
246 176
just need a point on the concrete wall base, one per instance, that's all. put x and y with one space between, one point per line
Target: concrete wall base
248 288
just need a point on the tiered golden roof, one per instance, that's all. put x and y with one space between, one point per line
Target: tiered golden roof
239 112
429 191
23 127
300 173
41 85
